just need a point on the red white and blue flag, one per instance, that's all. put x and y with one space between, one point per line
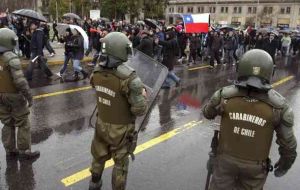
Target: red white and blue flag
196 23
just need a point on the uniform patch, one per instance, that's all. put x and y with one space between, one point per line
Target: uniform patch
1 68
256 70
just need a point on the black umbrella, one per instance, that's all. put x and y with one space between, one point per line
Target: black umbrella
30 14
226 28
71 16
151 23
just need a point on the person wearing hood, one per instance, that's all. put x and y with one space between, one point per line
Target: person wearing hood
36 48
77 46
67 39
170 50
146 44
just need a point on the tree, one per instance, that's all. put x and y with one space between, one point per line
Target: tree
62 8
155 9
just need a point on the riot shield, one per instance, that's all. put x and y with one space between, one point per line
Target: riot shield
152 74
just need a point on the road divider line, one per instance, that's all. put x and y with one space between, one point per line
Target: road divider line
197 68
85 173
62 92
282 81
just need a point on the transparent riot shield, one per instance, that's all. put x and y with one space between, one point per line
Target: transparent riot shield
152 74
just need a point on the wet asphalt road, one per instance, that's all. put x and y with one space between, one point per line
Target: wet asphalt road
60 130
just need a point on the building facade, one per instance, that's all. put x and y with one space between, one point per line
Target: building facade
259 13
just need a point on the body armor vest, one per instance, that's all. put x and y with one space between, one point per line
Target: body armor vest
113 106
247 128
6 81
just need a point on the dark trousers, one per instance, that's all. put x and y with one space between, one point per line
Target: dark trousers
234 173
42 63
55 35
48 46
193 55
214 54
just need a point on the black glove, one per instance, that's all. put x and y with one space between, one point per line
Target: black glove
282 166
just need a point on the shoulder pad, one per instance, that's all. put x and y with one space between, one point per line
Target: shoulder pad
276 99
231 91
124 71
12 60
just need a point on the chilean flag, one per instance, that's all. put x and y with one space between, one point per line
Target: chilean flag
196 23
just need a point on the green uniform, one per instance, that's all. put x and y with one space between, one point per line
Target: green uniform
14 99
119 101
248 121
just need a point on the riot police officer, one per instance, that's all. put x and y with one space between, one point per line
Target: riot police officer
250 112
15 100
120 98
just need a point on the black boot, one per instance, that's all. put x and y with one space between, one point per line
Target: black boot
29 155
96 182
76 76
85 75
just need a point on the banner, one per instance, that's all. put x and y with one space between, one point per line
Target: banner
95 14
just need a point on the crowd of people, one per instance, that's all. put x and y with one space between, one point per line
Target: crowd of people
169 45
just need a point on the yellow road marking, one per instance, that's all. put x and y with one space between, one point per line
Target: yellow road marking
85 173
197 68
284 80
62 92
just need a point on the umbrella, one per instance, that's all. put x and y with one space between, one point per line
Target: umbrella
61 28
227 28
285 31
71 16
151 23
264 30
140 22
104 19
30 14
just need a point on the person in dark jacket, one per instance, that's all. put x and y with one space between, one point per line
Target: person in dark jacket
47 39
67 39
27 40
136 39
170 49
146 45
182 42
36 47
229 46
259 42
270 45
194 43
77 46
55 31
216 47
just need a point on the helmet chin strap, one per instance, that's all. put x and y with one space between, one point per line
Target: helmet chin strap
254 83
110 61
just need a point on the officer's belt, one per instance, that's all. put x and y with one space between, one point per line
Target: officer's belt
253 162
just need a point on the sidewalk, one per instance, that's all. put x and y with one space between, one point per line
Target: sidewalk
58 59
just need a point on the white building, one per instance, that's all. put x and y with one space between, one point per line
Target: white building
262 13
